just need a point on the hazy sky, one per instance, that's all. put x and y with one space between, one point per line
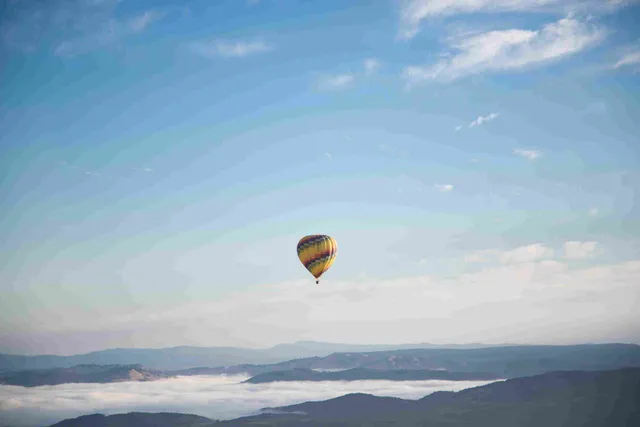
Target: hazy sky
208 396
478 163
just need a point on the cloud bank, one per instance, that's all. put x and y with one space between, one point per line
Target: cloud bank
216 397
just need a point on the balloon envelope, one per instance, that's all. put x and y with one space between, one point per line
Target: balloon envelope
317 252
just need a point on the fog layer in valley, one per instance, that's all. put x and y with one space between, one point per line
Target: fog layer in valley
216 397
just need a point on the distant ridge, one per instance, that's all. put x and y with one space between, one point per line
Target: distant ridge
445 363
185 357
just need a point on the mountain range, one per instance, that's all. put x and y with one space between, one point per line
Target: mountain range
505 362
438 363
185 357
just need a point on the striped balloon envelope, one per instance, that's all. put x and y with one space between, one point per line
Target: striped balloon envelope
317 252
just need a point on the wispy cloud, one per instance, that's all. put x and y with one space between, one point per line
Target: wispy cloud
529 253
534 252
336 82
371 65
527 154
523 254
328 156
483 119
105 34
508 50
141 22
458 128
347 79
580 250
72 27
443 187
414 12
593 211
391 149
229 48
629 59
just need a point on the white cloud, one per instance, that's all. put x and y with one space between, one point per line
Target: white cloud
628 59
593 212
533 253
527 154
371 65
522 254
392 149
328 156
522 286
458 128
215 397
508 50
529 253
345 80
483 256
140 23
71 27
443 187
105 33
229 48
414 12
483 119
337 82
580 250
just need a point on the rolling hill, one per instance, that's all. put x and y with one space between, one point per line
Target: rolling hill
368 374
562 399
80 374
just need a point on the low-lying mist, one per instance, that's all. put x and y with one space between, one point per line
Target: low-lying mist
216 397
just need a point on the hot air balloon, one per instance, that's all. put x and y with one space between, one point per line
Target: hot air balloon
317 252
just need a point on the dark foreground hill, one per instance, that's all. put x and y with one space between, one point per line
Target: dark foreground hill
137 419
556 399
369 374
80 374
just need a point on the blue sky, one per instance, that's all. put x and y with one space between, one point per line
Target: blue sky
161 159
